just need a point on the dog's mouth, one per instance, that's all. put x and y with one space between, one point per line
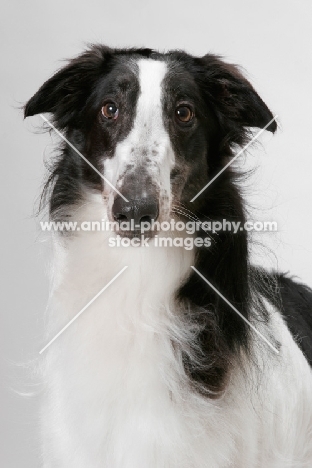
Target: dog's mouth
135 234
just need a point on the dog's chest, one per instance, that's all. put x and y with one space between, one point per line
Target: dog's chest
117 387
117 394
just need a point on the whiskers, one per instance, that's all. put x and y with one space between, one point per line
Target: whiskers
181 211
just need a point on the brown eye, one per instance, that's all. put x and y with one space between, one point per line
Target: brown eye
184 113
110 111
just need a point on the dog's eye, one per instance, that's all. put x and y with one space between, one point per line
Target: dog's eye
184 113
110 111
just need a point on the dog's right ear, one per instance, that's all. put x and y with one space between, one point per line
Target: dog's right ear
66 92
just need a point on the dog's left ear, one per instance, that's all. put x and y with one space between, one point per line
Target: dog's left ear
233 98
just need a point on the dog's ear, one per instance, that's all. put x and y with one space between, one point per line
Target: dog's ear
66 92
233 98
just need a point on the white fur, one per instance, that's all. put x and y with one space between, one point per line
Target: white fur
117 395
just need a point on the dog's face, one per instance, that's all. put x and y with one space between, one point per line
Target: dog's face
157 126
149 133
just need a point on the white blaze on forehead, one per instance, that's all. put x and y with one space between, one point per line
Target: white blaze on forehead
149 106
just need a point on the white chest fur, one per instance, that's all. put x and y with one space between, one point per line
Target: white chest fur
117 395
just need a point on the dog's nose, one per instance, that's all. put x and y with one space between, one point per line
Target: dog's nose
141 210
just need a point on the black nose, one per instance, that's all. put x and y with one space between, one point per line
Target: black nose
140 210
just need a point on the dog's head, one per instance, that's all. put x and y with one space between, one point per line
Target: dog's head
157 126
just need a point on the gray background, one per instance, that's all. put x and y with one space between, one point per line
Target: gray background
271 39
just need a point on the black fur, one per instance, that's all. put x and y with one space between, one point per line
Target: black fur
295 302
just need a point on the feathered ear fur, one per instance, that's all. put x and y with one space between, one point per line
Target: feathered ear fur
232 98
66 92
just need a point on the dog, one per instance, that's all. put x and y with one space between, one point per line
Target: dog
189 357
